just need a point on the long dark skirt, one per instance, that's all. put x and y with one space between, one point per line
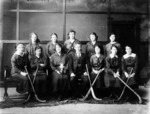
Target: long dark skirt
22 85
111 81
131 81
59 83
40 84
79 85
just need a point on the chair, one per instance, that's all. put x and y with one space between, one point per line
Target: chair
9 81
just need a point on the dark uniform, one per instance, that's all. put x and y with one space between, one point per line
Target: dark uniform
40 83
108 48
90 50
69 46
96 64
18 63
59 76
77 66
129 65
113 65
50 49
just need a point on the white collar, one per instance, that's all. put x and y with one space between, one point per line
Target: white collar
131 55
112 56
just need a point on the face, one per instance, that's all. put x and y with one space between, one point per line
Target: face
58 49
20 48
77 47
92 37
33 38
128 50
112 38
38 52
114 50
97 50
54 38
71 35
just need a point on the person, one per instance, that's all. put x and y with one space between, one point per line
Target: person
90 47
69 43
109 45
30 48
59 73
51 46
97 63
18 62
129 69
38 65
113 68
77 72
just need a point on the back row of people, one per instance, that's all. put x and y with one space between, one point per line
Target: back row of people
65 69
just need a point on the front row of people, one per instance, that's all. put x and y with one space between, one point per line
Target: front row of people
69 76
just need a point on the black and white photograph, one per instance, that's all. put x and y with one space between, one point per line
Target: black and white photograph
74 56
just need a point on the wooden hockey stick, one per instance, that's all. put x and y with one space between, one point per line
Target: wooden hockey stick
125 86
36 97
91 86
140 100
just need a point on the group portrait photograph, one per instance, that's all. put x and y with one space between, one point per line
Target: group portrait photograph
74 56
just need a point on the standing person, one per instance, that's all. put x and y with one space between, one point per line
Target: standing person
113 66
38 65
51 46
18 62
30 48
59 75
97 63
69 43
77 72
109 45
90 46
129 69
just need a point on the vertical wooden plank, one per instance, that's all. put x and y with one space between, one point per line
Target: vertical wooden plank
17 21
1 43
64 20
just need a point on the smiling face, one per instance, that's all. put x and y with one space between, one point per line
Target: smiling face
112 38
97 50
33 38
38 51
128 50
71 35
58 49
20 48
77 48
114 50
92 37
54 38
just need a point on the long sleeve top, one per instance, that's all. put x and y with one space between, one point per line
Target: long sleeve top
129 63
18 63
56 60
77 64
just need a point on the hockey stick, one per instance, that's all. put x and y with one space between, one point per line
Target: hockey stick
91 86
36 97
140 100
125 86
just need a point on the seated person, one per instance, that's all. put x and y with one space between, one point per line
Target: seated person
97 63
59 76
38 68
18 63
77 72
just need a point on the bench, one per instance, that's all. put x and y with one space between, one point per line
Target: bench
9 81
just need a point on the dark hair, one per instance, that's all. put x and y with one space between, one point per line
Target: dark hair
37 39
54 34
72 31
59 45
114 46
39 47
96 37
